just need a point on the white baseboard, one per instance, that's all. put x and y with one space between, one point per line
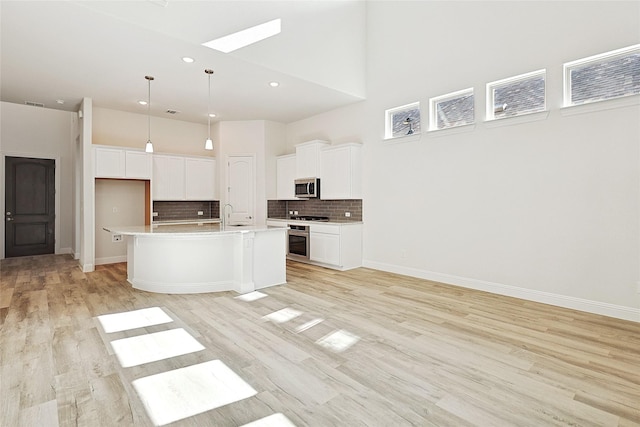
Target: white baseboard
589 306
65 251
111 260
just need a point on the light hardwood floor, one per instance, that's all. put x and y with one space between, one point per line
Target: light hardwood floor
428 354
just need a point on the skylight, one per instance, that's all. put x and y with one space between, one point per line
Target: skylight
246 37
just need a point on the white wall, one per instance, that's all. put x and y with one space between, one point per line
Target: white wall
43 133
112 127
118 202
545 210
240 138
275 145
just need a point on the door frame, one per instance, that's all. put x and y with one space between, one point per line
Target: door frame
3 156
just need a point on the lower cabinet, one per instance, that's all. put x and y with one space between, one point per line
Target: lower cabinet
336 245
325 247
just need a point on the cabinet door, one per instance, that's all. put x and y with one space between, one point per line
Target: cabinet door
200 179
168 178
325 248
336 174
285 175
308 159
341 172
109 163
138 165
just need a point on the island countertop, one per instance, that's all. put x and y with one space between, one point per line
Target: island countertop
186 229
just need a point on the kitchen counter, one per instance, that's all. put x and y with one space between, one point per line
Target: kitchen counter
300 222
187 221
186 228
204 257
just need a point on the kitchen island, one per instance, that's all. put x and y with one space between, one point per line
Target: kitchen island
205 257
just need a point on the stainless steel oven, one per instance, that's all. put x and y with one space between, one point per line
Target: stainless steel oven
298 242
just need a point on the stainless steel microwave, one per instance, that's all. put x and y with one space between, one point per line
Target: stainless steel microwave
307 188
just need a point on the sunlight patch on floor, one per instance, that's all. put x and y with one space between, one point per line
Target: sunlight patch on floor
308 325
275 420
283 315
251 296
133 319
338 341
142 349
181 393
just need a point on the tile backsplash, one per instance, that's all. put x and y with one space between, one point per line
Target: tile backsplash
175 211
334 209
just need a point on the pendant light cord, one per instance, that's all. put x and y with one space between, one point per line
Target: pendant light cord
208 145
209 108
149 108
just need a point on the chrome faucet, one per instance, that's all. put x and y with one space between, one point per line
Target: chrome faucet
223 214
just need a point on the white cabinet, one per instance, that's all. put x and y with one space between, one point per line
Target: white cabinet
308 158
183 178
325 244
200 175
336 245
168 177
121 163
341 172
137 164
285 175
109 162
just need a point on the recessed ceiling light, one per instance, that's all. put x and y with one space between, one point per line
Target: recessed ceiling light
274 84
142 102
212 115
246 37
60 101
188 60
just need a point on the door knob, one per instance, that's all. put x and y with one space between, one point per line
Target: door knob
9 219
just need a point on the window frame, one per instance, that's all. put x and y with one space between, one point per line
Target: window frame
433 117
388 122
567 67
491 87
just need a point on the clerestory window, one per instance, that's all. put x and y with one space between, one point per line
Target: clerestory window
609 75
451 110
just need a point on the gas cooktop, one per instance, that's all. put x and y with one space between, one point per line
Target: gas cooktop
309 218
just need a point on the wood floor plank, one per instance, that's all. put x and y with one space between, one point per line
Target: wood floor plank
426 353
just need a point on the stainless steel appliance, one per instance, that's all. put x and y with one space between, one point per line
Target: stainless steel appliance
298 242
298 238
307 188
309 218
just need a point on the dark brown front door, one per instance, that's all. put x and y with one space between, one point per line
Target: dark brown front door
30 206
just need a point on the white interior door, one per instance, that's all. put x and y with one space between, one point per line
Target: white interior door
240 190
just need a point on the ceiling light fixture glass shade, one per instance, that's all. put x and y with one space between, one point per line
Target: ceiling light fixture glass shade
208 144
149 146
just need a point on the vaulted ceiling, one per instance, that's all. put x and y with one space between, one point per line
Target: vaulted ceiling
67 50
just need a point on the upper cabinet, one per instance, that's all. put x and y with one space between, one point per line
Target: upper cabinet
168 177
183 178
341 172
308 158
200 176
285 175
137 164
122 163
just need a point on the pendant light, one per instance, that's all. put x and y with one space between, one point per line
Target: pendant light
149 147
208 144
